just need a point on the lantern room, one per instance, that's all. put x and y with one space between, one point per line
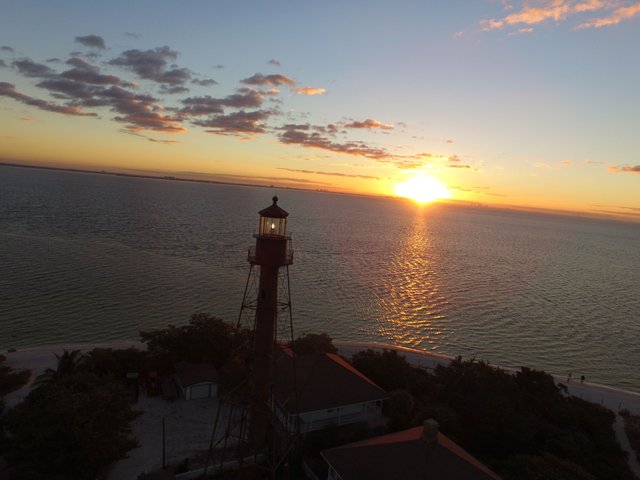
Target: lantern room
273 221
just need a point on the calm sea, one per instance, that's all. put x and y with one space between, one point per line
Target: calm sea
88 258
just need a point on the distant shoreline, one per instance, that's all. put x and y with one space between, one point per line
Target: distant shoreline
184 179
613 217
38 359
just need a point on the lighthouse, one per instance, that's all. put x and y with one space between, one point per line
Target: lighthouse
272 251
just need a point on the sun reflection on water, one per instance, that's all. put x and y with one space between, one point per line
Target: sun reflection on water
413 297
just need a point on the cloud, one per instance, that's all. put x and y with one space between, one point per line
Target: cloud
152 65
83 86
206 105
140 115
625 168
270 80
292 134
173 89
151 139
93 41
311 91
67 89
166 142
618 15
205 82
6 48
8 90
521 31
633 209
274 62
410 164
132 35
2 64
459 166
369 123
87 73
454 158
29 68
542 165
236 123
537 12
333 174
139 112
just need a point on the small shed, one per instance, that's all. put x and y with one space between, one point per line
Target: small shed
196 380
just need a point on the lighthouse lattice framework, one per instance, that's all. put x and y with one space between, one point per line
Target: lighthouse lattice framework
271 253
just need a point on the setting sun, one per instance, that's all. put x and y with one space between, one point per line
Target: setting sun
423 189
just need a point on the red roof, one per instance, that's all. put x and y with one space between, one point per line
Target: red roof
406 455
322 381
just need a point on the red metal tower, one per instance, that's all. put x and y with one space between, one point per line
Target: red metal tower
271 252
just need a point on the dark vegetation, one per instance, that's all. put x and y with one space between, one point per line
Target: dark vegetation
203 339
313 343
76 420
523 425
70 427
10 379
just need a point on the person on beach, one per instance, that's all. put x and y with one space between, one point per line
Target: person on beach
569 377
582 378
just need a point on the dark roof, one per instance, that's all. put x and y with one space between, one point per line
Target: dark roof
406 456
192 373
273 211
322 381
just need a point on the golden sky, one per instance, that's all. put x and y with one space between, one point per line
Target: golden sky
528 104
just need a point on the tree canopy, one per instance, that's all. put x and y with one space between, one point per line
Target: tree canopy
313 343
72 426
204 339
515 423
11 379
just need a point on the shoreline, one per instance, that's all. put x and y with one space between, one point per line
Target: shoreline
38 359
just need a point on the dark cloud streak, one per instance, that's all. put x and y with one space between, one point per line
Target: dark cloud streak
271 80
236 123
29 68
302 137
333 174
152 65
93 41
8 90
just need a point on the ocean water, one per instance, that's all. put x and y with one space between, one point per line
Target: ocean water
90 258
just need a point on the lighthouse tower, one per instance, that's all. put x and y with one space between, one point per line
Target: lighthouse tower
272 251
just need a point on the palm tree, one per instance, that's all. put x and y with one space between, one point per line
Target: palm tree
68 364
